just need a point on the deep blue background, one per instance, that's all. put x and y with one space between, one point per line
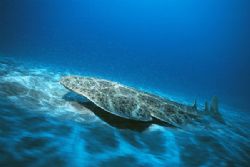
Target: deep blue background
188 47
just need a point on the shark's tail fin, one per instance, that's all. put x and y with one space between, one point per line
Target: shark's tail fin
213 109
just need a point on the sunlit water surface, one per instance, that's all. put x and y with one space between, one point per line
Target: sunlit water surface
43 124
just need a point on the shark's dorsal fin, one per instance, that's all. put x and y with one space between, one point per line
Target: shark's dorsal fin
213 110
214 107
195 104
206 107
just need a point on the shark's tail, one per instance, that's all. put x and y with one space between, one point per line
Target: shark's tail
213 109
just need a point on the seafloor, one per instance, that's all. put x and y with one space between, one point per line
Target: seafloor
43 124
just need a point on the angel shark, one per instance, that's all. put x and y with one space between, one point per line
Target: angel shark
130 103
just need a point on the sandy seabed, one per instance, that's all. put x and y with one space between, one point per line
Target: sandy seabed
43 124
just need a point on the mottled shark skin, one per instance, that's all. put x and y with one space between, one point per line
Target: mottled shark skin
128 102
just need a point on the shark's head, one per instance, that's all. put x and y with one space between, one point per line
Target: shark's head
78 84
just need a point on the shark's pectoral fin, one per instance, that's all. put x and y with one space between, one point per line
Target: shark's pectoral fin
169 117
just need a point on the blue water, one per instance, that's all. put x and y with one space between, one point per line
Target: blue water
182 50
